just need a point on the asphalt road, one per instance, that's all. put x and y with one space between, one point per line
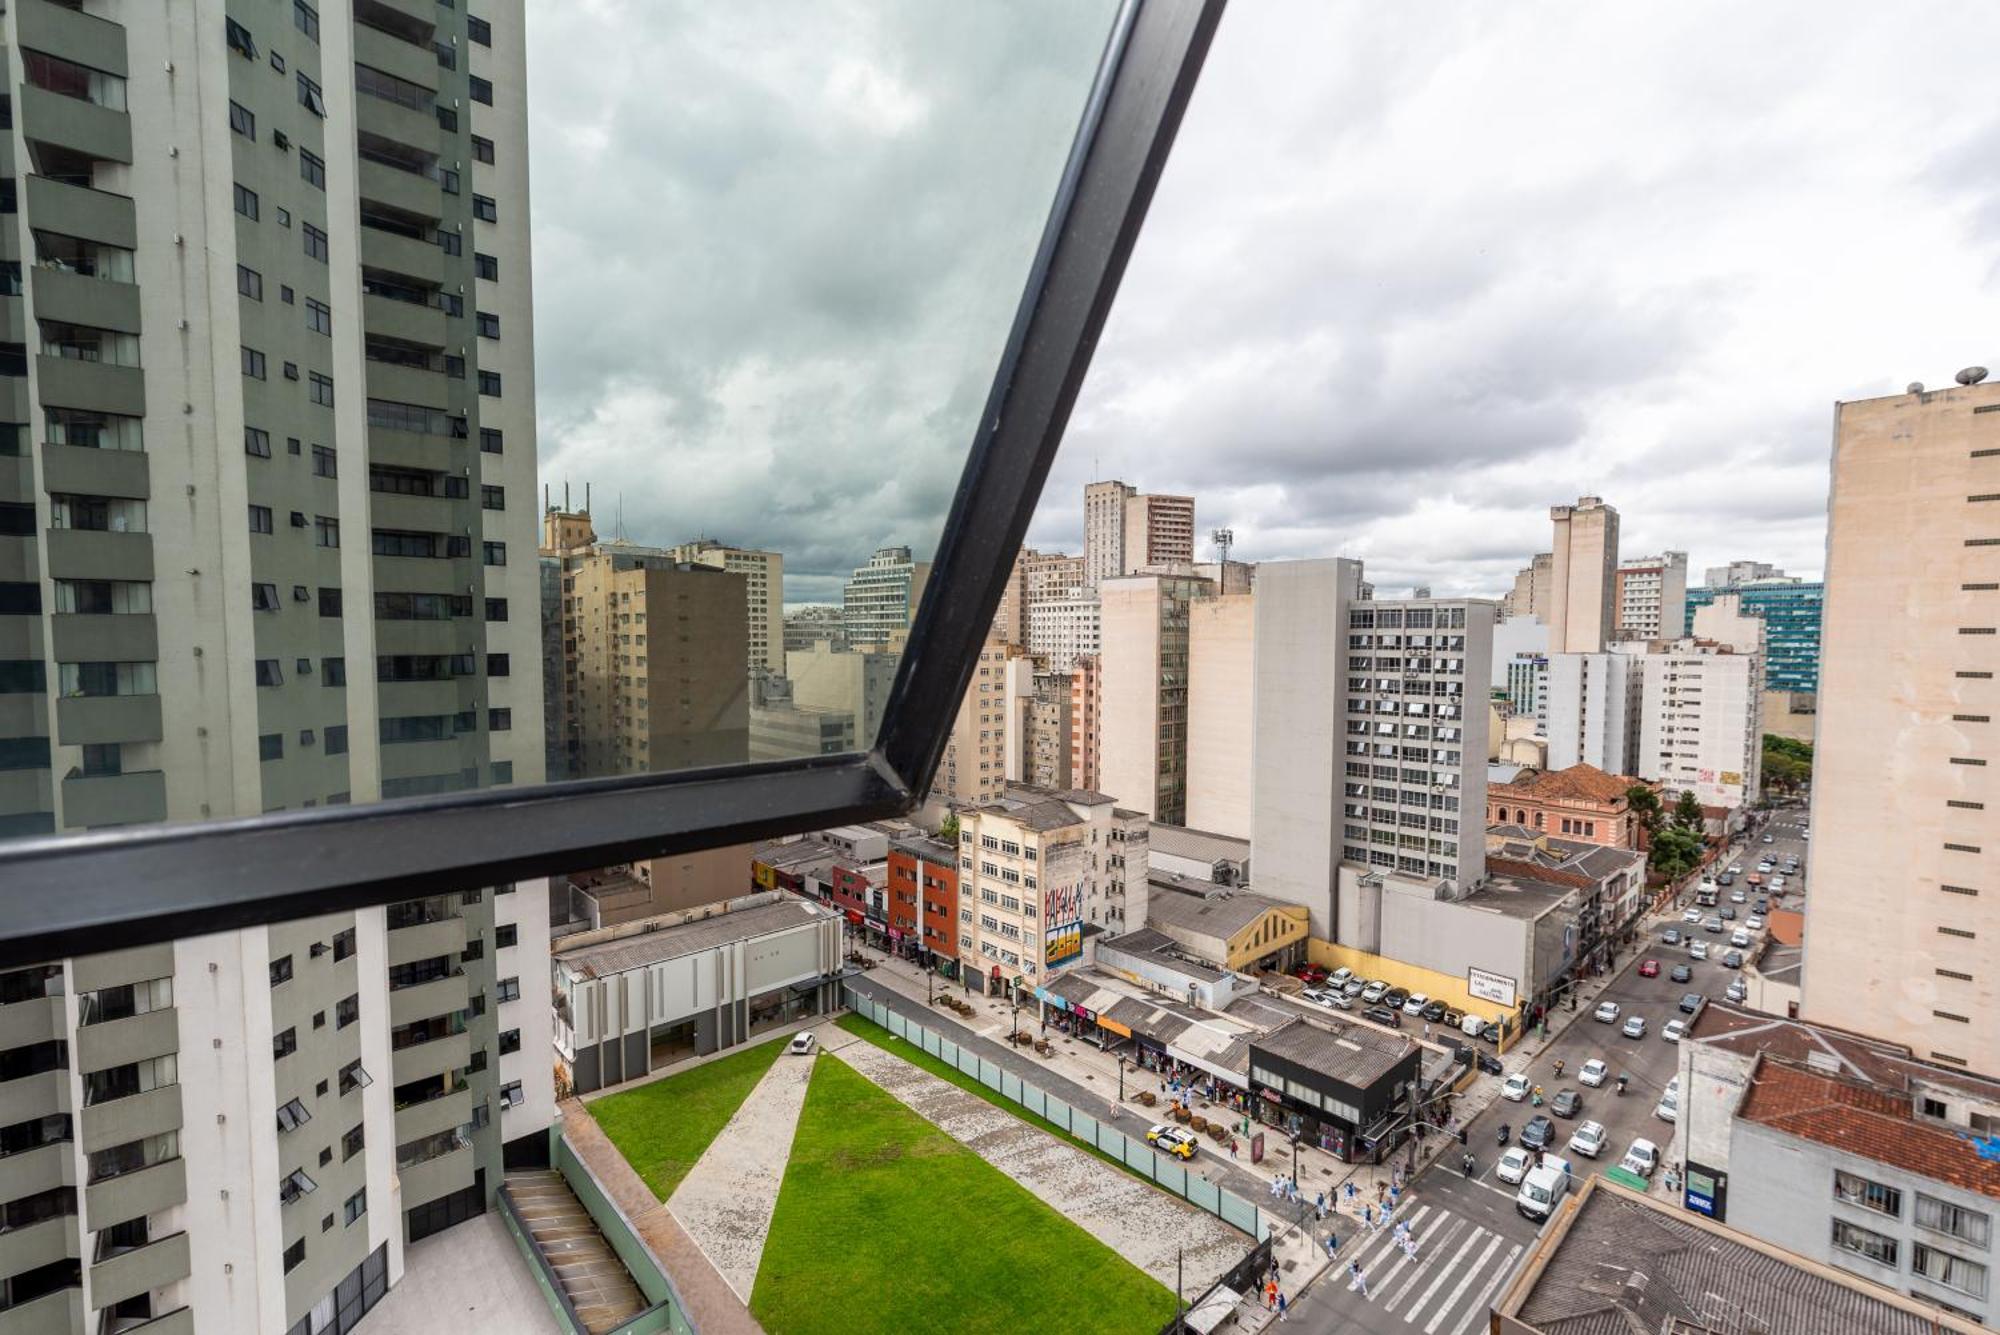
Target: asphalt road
1470 1236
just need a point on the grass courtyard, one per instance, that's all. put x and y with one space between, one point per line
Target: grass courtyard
662 1128
885 1223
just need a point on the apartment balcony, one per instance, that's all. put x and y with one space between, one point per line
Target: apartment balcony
72 123
40 1243
180 1321
76 210
409 320
70 34
406 255
402 190
81 470
143 1269
142 1191
421 514
424 637
80 637
63 294
436 1057
423 574
61 1309
93 801
36 1021
433 1115
24 790
87 720
134 1117
134 1038
408 384
440 996
67 382
416 127
429 697
437 1177
89 973
411 60
32 1096
426 941
38 1169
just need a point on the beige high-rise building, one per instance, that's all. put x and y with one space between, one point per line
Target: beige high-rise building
1142 736
1652 597
854 681
974 768
1222 675
1904 913
764 594
1698 726
1104 530
1046 745
1583 571
1086 718
1533 591
654 668
1159 532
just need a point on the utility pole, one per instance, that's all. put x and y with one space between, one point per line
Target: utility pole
1180 1323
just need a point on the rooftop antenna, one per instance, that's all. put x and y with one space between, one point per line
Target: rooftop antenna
1224 538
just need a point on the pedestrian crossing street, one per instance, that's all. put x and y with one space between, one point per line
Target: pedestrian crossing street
1448 1288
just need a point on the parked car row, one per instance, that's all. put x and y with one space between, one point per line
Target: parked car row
1343 989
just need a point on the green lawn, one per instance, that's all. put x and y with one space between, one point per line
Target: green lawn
885 1223
662 1128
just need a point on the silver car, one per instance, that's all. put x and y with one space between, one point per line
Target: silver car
1635 1026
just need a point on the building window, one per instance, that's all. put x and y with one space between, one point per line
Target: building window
507 989
326 532
257 441
479 30
1860 1241
489 384
241 121
310 97
482 149
315 242
484 209
1954 1272
482 90
271 746
306 19
246 201
295 1255
505 935
489 440
343 944
499 720
489 324
249 282
511 1095
320 389
284 1044
333 672
324 464
260 519
1958 1221
336 739
496 609
253 363
495 553
483 266
356 1206
352 1141
1857 1190
319 316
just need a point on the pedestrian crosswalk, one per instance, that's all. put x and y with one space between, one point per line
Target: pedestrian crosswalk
1446 1286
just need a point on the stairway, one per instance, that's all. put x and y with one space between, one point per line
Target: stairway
595 1280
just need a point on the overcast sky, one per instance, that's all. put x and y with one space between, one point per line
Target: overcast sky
1411 277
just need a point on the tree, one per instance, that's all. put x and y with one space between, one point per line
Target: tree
1676 851
1687 813
949 830
1645 803
1787 763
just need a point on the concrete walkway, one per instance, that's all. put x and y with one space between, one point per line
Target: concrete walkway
1144 1224
726 1201
712 1306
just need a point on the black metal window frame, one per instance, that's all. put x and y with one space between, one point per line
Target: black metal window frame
79 894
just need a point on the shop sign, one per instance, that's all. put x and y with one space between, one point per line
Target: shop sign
1086 1013
1489 986
765 877
854 917
1114 1027
895 934
1272 1095
1706 1192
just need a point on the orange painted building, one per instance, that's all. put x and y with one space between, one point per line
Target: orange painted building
1086 703
923 898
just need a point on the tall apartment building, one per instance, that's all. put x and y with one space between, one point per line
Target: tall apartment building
1744 572
1652 596
1037 866
764 594
1222 674
654 664
1046 741
974 768
1104 530
1363 708
854 682
1583 565
1699 729
1159 532
1062 630
879 602
1592 706
308 232
1533 591
1142 730
1086 722
1904 909
810 625
1791 611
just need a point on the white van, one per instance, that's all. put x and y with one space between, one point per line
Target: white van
1540 1190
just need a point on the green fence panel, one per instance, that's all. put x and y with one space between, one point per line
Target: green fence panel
1238 1213
1202 1192
1010 1086
1034 1100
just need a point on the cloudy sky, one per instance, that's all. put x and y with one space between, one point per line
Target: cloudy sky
1409 279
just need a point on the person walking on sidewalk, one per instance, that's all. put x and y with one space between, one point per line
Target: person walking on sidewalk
1281 1305
1332 1246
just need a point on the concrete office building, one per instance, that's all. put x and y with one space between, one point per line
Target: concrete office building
1591 710
256 229
1363 707
1790 610
1583 568
1222 673
1126 531
1699 726
1046 746
1142 739
764 594
645 994
1745 572
815 624
1104 530
1652 596
879 602
855 682
1229 577
1086 709
1904 910
654 665
1063 629
974 768
1533 594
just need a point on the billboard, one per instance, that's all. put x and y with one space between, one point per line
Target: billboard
1494 987
1062 910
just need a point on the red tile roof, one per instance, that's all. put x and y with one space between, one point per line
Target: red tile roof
1865 1120
1585 783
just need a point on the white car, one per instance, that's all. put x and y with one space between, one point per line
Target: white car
1669 1106
1514 1165
1319 998
1588 1139
1697 950
1738 990
1374 991
1777 885
1675 1028
1340 977
802 1045
1516 1087
1635 1026
1753 923
1692 917
1593 1073
1738 897
1735 869
1415 1005
1642 1158
1740 938
1607 1012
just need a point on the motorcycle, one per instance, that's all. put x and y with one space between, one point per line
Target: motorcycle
1621 1085
1470 1165
1504 1130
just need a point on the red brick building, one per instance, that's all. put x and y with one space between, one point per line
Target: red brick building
923 899
1581 803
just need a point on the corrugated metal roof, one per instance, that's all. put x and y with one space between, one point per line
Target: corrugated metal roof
689 938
